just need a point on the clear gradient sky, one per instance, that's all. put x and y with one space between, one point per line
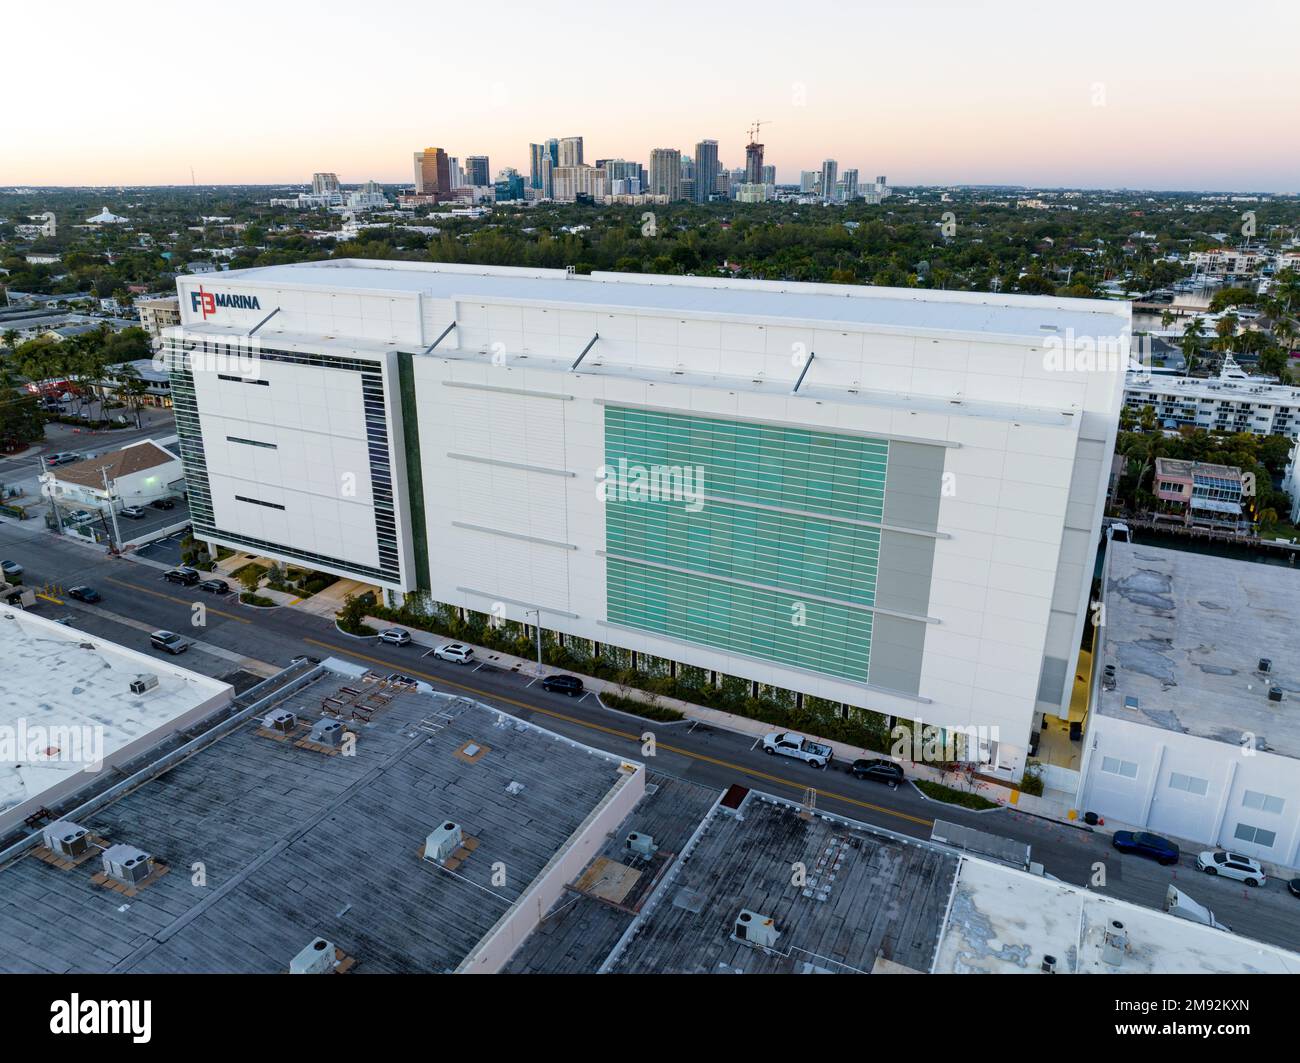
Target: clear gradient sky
1165 95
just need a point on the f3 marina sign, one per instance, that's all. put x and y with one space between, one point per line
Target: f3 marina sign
208 303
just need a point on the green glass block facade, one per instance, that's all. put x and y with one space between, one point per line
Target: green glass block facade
738 572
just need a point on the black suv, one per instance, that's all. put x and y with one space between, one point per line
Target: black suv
878 771
215 586
563 684
187 577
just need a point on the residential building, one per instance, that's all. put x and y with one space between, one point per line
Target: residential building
536 153
1232 402
809 181
323 184
942 479
665 173
829 177
1190 732
706 169
43 226
1199 492
369 196
571 183
569 151
1230 261
753 174
769 175
849 184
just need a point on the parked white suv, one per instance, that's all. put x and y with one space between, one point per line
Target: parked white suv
1231 865
455 651
395 635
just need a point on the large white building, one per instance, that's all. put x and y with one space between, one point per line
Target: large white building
1191 731
888 499
1231 402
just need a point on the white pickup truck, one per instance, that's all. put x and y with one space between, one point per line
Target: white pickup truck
789 744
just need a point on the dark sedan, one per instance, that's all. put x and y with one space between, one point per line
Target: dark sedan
215 586
84 594
878 771
1152 846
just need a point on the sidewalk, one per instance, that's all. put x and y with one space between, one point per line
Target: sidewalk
743 725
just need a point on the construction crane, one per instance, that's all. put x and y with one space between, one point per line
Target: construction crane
754 129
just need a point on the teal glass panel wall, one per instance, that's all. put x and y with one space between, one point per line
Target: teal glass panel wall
746 561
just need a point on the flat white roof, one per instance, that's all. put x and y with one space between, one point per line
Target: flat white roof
855 306
59 680
1186 632
1005 921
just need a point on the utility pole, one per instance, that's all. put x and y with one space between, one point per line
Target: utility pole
54 505
117 534
538 614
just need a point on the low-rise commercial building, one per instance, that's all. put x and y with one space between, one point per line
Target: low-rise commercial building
1192 730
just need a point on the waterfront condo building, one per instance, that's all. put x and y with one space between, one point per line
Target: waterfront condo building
884 499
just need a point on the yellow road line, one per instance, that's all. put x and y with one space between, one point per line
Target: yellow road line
754 773
181 601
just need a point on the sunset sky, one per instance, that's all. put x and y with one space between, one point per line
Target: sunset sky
1168 96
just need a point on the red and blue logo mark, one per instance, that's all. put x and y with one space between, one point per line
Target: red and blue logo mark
209 302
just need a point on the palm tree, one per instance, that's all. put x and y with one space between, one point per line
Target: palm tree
1190 344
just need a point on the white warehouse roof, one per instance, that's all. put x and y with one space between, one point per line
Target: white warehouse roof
912 310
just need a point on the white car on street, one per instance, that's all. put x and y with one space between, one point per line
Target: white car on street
1231 865
395 635
789 744
455 651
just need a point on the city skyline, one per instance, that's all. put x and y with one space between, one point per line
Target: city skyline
991 104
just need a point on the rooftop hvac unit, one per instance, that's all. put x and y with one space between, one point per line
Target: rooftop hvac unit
641 844
327 733
316 958
1114 943
281 720
127 864
1265 665
142 683
756 930
1276 694
444 840
66 839
1049 965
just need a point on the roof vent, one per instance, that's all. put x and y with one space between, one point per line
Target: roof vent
757 931
1276 694
66 839
444 840
1265 665
515 789
641 844
316 958
127 865
1114 943
1049 965
281 720
142 683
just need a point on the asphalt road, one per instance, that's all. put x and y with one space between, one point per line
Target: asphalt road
137 599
